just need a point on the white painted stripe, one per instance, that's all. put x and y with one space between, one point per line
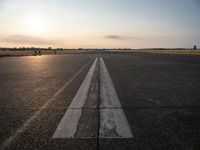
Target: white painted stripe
68 125
26 124
113 122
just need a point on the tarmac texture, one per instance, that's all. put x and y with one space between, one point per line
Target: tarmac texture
159 99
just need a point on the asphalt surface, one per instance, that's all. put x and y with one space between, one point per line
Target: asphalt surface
160 95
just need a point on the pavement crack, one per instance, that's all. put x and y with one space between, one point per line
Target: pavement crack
98 105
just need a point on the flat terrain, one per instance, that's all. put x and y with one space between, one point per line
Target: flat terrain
10 53
159 95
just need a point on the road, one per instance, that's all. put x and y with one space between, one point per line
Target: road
100 101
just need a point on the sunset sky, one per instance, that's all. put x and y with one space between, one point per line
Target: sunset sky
100 23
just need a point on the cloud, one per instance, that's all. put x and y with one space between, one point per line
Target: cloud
29 40
117 37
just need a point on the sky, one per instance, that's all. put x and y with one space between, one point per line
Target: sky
100 23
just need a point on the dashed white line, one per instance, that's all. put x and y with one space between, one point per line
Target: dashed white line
68 125
113 122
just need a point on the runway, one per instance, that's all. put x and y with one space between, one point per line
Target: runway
100 101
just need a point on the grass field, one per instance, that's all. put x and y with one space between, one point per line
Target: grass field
43 52
185 52
60 52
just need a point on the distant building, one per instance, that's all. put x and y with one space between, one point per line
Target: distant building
195 47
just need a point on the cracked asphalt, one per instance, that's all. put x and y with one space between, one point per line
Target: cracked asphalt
159 94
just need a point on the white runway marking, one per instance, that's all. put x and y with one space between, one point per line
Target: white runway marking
26 124
113 122
68 125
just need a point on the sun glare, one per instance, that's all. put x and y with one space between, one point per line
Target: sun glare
35 25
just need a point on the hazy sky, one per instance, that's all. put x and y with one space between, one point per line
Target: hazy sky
100 23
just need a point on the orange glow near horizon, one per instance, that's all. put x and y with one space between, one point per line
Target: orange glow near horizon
99 24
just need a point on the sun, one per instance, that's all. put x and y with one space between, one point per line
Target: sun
35 25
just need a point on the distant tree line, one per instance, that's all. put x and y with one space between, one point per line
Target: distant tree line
87 49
